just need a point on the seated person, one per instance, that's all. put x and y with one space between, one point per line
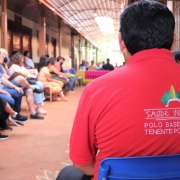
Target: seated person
5 111
83 66
118 114
68 77
45 77
14 84
92 66
28 63
108 66
17 65
56 73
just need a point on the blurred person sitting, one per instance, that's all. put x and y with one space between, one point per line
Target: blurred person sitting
83 66
45 77
98 66
92 66
17 65
108 66
71 77
28 63
15 83
58 75
5 112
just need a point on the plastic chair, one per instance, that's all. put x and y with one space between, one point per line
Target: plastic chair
165 167
72 70
50 92
65 71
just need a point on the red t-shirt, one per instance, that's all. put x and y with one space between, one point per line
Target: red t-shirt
132 111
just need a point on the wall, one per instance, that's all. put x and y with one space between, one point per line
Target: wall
65 35
177 26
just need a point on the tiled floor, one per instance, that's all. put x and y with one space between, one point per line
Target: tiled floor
40 148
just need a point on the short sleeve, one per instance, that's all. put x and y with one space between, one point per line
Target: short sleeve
45 70
82 142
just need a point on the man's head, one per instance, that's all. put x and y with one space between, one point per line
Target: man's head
92 62
60 59
146 24
3 55
107 61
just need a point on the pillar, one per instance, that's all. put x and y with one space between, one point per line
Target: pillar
42 35
4 24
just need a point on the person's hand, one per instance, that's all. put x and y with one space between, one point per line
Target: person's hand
67 79
18 89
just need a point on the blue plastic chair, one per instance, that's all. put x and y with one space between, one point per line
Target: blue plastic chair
164 167
65 71
72 70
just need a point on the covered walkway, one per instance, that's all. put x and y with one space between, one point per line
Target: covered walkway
41 145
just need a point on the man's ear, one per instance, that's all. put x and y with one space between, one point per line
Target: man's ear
121 43
174 41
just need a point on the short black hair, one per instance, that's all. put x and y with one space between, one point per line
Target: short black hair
25 53
52 60
59 57
147 24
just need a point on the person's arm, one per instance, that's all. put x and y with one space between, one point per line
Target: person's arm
11 85
83 148
54 70
4 92
87 169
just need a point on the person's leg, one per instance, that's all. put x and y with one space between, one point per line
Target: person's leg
39 98
72 82
17 98
8 99
2 106
4 115
20 81
30 102
70 172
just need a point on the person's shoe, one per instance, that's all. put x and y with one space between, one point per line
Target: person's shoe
14 123
38 91
71 91
3 137
5 128
36 116
20 118
41 111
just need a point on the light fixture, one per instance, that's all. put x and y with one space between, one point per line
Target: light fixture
105 24
52 8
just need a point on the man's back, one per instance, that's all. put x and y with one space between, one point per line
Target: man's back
131 118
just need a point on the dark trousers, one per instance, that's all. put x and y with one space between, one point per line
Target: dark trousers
71 173
3 115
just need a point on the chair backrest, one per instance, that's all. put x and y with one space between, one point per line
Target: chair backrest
72 70
163 167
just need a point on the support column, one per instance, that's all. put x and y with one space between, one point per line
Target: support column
42 35
80 51
4 24
59 37
96 55
86 53
72 51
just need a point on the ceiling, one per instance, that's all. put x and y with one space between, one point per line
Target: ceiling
80 15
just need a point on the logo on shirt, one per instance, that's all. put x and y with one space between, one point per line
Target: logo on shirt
170 96
159 121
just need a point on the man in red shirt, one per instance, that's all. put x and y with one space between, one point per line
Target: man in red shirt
135 110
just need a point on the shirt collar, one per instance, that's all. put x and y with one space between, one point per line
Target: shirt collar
154 53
